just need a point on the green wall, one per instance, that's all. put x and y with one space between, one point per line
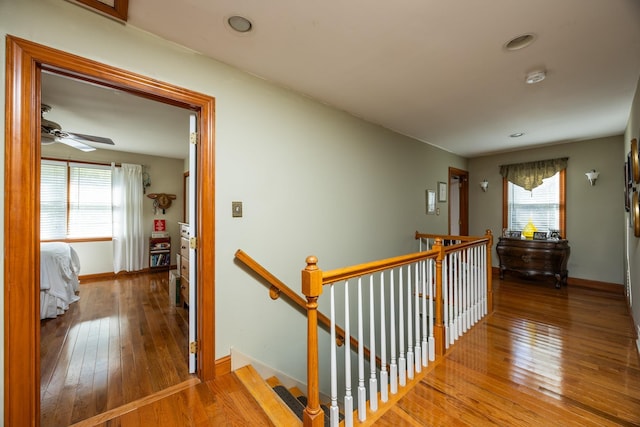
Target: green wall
595 214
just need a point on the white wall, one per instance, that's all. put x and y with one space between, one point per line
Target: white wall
313 180
166 177
594 214
632 243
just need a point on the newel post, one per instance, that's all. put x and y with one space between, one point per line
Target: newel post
438 327
489 236
312 288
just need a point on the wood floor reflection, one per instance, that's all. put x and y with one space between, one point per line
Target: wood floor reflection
545 357
120 342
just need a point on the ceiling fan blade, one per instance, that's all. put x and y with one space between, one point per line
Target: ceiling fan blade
88 138
76 144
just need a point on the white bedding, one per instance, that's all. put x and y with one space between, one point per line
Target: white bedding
59 268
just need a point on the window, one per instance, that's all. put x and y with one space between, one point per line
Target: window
544 205
75 200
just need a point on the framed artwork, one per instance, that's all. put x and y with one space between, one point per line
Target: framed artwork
539 235
431 202
635 214
515 234
627 183
635 161
442 191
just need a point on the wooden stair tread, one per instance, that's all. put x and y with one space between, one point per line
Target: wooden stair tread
276 410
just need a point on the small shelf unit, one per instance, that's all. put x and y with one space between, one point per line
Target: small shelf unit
159 253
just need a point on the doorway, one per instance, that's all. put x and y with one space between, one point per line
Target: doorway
25 61
458 202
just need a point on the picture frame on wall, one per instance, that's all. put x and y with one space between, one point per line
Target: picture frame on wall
628 183
431 202
442 191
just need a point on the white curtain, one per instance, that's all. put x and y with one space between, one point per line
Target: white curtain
128 236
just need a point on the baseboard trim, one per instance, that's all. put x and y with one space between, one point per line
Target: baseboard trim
583 283
596 285
223 366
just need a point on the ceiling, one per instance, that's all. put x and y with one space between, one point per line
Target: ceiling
430 69
135 124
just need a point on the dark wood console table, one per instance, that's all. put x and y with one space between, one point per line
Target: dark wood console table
535 257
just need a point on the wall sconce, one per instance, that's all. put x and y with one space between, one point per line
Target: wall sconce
592 176
484 185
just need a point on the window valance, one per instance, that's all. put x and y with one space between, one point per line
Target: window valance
529 175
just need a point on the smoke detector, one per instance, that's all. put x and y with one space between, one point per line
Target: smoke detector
535 77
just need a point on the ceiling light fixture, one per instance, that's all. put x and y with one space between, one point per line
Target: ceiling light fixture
240 23
516 135
535 77
519 42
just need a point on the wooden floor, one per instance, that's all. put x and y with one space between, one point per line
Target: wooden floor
545 357
120 342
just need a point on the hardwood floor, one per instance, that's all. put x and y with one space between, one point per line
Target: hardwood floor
120 342
544 357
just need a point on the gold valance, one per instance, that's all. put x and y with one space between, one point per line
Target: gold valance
529 175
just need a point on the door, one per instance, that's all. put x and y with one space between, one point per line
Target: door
458 202
21 180
193 226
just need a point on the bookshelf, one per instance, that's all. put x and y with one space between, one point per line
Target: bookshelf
159 253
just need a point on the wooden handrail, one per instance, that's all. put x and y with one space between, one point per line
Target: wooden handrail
297 299
341 274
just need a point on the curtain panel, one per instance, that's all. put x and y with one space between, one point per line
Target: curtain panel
529 175
128 233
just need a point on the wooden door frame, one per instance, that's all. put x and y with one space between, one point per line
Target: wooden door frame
464 199
24 62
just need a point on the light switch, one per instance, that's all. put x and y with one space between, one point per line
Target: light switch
236 209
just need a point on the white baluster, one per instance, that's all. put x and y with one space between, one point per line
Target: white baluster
417 351
402 362
476 284
446 309
466 289
333 411
348 398
373 381
410 360
425 313
456 297
432 294
362 391
485 283
384 374
393 368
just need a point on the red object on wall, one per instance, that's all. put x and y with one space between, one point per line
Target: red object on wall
159 225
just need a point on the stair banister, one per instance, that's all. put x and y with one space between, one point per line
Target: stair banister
438 328
278 287
313 415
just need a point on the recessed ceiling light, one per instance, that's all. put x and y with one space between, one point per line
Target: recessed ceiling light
535 76
240 24
520 42
516 135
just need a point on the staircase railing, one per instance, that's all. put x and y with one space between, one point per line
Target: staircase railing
440 294
278 287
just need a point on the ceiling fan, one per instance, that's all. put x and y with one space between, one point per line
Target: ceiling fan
51 132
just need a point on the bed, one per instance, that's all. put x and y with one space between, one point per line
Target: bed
59 268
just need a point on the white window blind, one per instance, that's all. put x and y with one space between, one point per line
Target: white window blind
53 200
75 200
540 205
